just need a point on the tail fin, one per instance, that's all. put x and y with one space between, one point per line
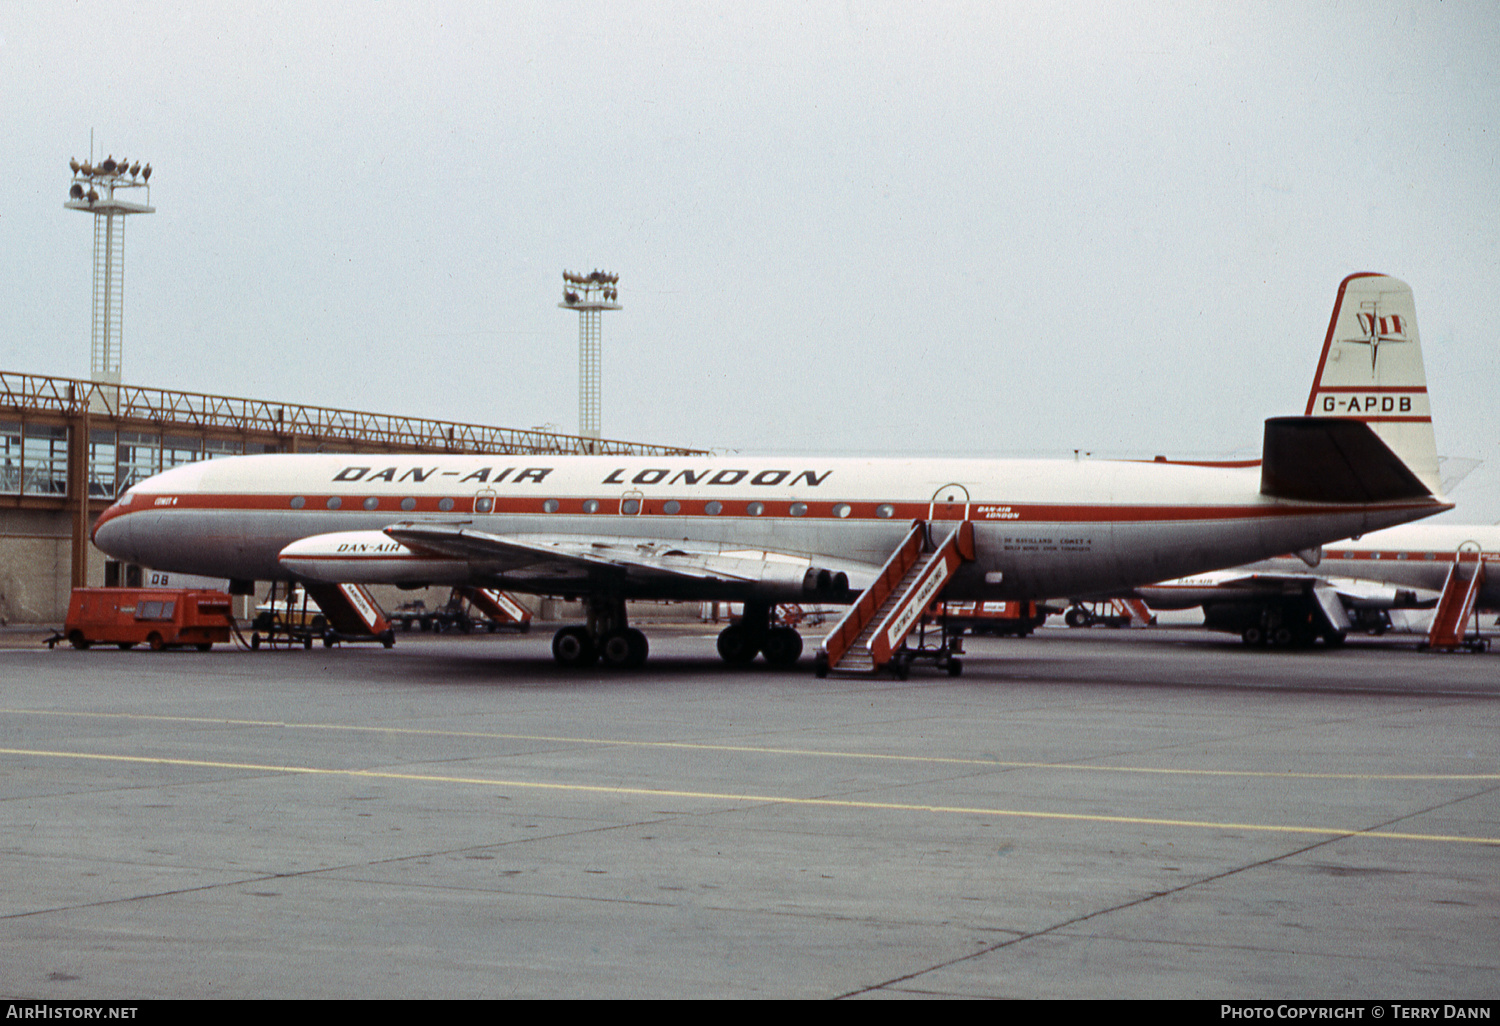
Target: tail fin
1371 371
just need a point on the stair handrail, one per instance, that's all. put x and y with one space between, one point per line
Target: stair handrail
961 541
848 629
1455 605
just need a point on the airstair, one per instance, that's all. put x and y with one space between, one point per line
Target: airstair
500 607
1456 606
870 636
352 613
1136 609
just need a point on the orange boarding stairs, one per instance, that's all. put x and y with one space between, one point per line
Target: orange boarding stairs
1140 614
1456 606
497 605
352 613
874 628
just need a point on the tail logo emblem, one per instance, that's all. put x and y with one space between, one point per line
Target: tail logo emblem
1378 328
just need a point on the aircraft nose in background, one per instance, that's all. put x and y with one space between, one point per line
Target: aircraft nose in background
112 533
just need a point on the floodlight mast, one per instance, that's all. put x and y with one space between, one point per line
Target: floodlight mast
94 192
589 294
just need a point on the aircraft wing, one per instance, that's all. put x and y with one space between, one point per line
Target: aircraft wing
567 558
1228 585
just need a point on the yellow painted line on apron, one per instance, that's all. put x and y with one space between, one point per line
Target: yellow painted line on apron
830 803
764 749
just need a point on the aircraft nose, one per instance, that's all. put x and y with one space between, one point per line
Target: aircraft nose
112 533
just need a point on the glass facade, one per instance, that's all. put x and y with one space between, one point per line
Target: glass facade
34 457
10 456
102 454
137 457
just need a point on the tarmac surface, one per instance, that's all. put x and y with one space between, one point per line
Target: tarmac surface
1147 813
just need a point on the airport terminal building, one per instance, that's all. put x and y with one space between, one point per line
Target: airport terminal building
68 447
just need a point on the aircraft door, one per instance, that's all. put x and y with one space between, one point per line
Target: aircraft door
950 502
631 503
484 500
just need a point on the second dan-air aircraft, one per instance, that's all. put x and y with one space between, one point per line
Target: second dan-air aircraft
887 535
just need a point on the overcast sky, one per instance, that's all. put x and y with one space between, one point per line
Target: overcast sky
969 229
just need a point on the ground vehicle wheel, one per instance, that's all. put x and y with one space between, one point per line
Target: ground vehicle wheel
125 646
204 646
1253 636
77 640
388 639
955 667
155 641
572 646
735 644
1281 637
307 641
1076 617
254 641
782 647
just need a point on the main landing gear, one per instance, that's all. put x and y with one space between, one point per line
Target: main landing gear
754 634
606 638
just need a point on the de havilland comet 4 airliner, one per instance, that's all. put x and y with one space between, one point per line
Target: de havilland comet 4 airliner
887 535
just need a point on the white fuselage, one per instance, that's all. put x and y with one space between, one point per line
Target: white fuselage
1042 527
1410 556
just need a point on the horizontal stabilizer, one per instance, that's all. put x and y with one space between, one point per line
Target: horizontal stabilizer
1329 459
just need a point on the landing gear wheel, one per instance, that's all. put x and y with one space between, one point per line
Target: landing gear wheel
736 645
572 646
624 649
782 647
